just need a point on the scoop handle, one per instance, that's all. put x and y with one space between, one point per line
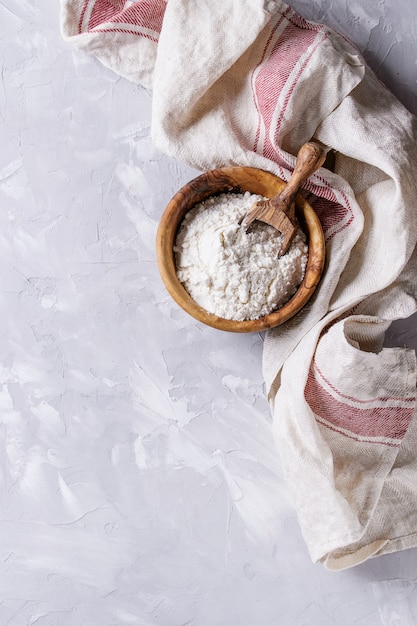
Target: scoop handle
310 157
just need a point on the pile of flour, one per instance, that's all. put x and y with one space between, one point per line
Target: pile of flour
234 273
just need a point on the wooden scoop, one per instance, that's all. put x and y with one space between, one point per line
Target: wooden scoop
279 211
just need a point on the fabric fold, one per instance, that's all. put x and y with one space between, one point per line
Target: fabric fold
242 91
339 425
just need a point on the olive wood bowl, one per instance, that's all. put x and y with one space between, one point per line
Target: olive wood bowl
239 180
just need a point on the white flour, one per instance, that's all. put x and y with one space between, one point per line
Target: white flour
233 273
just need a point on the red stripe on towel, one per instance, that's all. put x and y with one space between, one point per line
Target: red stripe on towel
104 11
371 424
83 10
147 14
262 79
333 215
314 44
299 39
291 45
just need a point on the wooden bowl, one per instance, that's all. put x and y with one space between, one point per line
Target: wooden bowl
236 179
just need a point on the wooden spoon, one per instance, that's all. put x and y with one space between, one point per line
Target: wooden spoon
279 211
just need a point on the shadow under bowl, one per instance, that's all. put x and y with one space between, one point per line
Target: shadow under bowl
238 180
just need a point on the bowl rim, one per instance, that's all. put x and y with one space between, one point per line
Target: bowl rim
222 180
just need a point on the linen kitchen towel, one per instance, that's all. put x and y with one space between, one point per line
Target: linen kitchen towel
247 82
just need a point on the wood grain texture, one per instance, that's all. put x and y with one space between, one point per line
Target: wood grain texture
279 211
238 179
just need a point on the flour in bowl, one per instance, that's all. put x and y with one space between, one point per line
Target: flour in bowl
234 273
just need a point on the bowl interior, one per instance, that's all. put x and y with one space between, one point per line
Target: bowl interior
238 179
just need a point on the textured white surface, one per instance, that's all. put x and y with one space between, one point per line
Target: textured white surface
139 482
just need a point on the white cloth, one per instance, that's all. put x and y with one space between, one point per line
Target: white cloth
246 82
